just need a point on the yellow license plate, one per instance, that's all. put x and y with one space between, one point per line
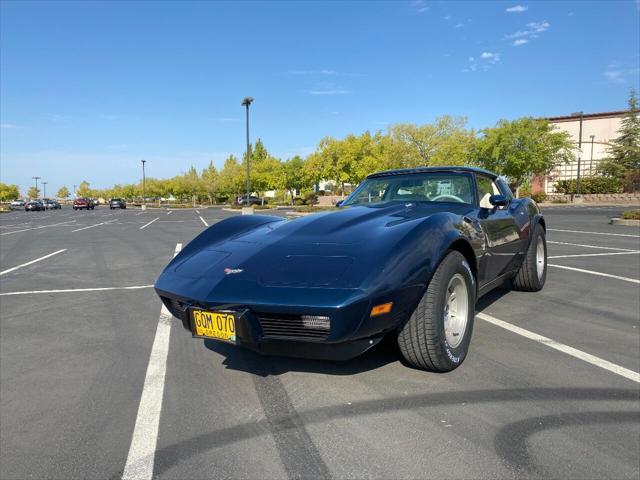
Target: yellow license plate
218 325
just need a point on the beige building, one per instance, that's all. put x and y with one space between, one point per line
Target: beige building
598 129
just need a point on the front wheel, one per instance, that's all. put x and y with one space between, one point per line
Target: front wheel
438 334
533 271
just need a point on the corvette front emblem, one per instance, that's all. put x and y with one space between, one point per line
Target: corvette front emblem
229 271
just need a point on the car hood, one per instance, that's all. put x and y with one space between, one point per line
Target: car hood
332 250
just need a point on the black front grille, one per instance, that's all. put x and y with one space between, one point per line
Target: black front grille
291 327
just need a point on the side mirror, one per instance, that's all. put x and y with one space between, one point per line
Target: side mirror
339 203
498 200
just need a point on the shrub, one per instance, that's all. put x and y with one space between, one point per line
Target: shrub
589 185
539 197
559 200
310 198
631 214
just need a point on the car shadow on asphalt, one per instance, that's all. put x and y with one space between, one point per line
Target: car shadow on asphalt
243 359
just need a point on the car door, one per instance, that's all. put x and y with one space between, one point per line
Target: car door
502 234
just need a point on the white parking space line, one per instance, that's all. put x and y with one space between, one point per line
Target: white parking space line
592 246
594 233
142 450
91 226
37 228
169 212
595 254
70 290
198 212
147 224
4 272
591 272
574 352
139 213
203 221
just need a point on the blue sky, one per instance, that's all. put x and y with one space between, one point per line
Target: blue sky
87 89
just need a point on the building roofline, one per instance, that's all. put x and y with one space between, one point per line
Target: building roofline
587 116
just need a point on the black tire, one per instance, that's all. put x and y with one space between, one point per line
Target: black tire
422 340
528 279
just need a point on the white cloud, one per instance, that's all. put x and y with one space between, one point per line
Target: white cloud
534 29
226 119
330 92
459 25
10 126
448 17
324 71
420 6
539 27
614 76
517 9
520 41
60 118
490 57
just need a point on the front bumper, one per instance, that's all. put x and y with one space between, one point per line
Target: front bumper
351 332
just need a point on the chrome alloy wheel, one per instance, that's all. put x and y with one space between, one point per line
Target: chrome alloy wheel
540 260
456 310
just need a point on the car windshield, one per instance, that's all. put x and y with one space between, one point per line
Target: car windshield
418 187
116 200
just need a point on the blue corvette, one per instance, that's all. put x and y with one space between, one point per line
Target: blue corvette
407 254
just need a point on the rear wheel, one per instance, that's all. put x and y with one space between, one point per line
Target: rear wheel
437 335
533 271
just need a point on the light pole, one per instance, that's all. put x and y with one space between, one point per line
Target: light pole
143 181
579 153
36 179
591 161
74 191
245 103
44 185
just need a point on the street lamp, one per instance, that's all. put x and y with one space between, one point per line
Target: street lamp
245 103
143 182
44 185
74 191
591 161
36 179
579 152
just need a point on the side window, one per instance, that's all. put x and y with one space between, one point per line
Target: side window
486 188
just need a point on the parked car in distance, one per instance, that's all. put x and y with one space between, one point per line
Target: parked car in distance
52 205
117 203
34 206
86 203
253 200
17 204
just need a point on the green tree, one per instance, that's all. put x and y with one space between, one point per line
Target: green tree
33 193
522 148
232 176
210 181
624 151
445 142
9 192
84 189
63 192
293 177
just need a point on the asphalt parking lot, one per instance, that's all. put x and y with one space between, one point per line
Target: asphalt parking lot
550 387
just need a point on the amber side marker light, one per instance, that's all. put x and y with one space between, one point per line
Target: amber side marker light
381 309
